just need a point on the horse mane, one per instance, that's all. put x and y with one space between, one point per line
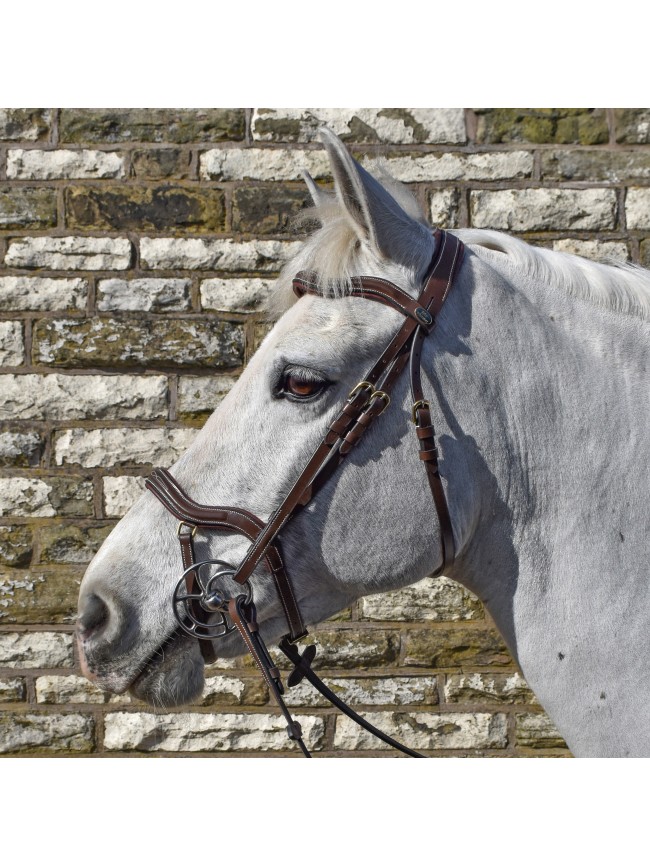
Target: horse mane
621 287
332 251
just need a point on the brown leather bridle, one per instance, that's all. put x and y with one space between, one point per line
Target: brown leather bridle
200 605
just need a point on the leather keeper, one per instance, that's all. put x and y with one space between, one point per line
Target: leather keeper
428 455
425 433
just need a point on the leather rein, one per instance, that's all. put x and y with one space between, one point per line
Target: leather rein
200 604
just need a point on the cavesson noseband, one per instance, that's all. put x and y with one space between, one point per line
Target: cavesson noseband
200 606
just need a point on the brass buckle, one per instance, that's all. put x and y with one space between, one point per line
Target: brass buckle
383 396
183 524
360 387
419 404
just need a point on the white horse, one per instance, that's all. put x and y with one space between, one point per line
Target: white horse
537 376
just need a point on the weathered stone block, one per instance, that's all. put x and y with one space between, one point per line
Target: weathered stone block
70 253
16 545
58 396
543 209
599 165
418 168
36 650
96 342
237 295
348 648
492 688
444 208
426 731
46 734
45 497
586 126
593 249
218 254
159 163
63 544
12 346
267 210
429 599
117 447
27 208
150 294
458 647
632 125
120 494
12 689
198 396
24 124
183 209
44 596
206 732
637 208
42 293
176 126
263 164
221 689
69 689
645 253
20 449
357 691
52 165
382 126
536 731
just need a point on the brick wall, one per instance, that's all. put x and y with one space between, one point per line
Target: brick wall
136 247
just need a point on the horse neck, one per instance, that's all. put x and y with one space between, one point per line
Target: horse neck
543 385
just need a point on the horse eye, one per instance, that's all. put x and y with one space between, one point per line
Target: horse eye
301 385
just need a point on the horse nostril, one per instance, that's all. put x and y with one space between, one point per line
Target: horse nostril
93 617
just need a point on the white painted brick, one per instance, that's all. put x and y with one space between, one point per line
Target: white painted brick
219 254
108 446
235 295
503 688
396 126
263 164
69 689
205 732
357 691
14 444
46 733
598 250
428 599
12 689
540 209
202 393
150 294
50 165
120 493
12 347
458 167
36 650
42 293
637 208
426 731
70 253
444 208
21 497
57 396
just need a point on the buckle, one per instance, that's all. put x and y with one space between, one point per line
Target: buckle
419 404
382 396
191 527
360 386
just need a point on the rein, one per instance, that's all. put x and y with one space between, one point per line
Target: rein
200 605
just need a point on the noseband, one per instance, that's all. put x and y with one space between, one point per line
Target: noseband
200 604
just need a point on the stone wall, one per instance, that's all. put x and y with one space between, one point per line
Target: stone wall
136 247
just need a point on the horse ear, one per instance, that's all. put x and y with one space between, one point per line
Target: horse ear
317 195
377 217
